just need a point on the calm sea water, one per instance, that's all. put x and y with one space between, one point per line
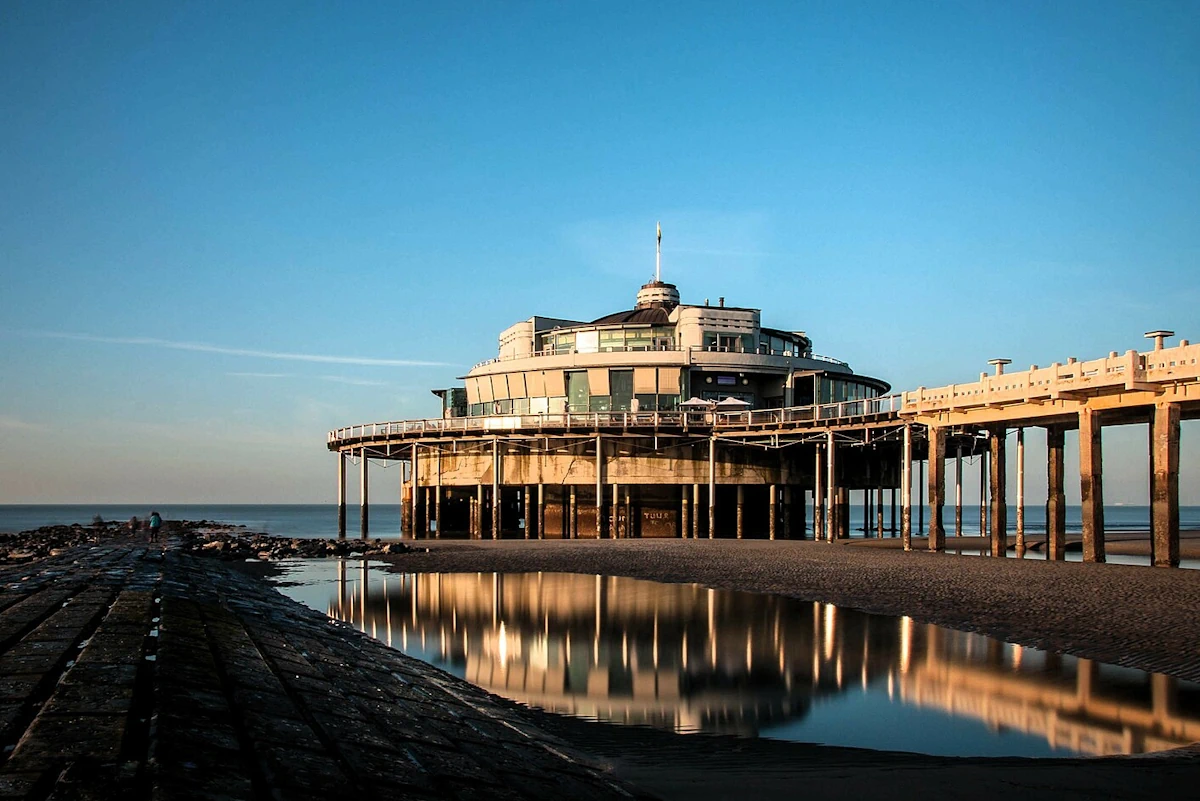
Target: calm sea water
320 520
696 660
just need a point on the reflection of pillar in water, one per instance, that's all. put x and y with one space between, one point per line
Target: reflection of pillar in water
363 598
341 583
1164 692
387 611
1017 653
906 635
830 630
933 644
712 628
1085 679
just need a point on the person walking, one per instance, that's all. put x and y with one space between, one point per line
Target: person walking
155 525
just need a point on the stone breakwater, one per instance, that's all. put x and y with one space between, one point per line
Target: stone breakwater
204 537
130 673
266 546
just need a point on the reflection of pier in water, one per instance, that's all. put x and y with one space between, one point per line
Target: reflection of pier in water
686 658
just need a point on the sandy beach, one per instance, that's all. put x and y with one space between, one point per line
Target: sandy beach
1138 617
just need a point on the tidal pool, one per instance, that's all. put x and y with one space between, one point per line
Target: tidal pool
695 660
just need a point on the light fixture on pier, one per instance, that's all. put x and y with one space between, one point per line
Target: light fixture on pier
1158 337
999 364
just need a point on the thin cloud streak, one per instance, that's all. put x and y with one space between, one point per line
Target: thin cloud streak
9 423
356 382
260 375
200 347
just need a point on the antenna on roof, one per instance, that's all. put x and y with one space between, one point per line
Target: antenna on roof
658 256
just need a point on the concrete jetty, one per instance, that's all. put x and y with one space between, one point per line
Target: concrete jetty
130 672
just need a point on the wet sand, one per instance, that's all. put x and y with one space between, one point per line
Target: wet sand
1139 617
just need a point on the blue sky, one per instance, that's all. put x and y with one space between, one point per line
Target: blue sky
919 186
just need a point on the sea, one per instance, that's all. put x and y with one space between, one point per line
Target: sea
320 520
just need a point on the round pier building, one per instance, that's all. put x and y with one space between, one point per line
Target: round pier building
607 428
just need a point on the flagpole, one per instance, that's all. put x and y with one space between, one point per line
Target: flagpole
658 256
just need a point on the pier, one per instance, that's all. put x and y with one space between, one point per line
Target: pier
692 473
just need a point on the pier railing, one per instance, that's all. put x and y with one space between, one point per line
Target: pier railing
579 421
1129 371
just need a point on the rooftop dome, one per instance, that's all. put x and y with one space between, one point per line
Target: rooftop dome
655 300
657 295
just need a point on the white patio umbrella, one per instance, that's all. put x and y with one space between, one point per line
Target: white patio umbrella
696 403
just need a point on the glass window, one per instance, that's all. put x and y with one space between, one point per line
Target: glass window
667 403
587 341
520 406
612 340
578 394
646 403
600 403
638 339
620 384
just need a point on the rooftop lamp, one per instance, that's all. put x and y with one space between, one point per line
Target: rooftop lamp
999 364
1158 337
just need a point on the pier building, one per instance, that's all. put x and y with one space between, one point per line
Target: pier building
603 427
679 420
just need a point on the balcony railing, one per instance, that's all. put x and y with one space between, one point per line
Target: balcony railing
582 421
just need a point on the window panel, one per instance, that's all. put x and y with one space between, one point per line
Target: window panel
645 380
556 384
485 389
598 380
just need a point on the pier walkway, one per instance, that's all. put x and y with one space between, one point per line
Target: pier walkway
127 672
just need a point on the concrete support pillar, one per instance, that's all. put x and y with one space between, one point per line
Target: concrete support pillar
496 465
630 528
437 497
832 524
879 512
425 504
818 494
541 511
866 499
958 492
772 510
892 495
906 489
599 487
920 495
1091 486
788 514
341 496
416 491
613 516
479 511
1020 493
937 487
843 512
999 474
525 499
363 504
685 518
983 499
695 511
1056 497
1164 484
573 517
741 510
712 486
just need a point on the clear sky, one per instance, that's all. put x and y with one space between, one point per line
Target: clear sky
226 228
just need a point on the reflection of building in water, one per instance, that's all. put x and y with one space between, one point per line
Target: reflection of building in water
687 658
1075 704
615 649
